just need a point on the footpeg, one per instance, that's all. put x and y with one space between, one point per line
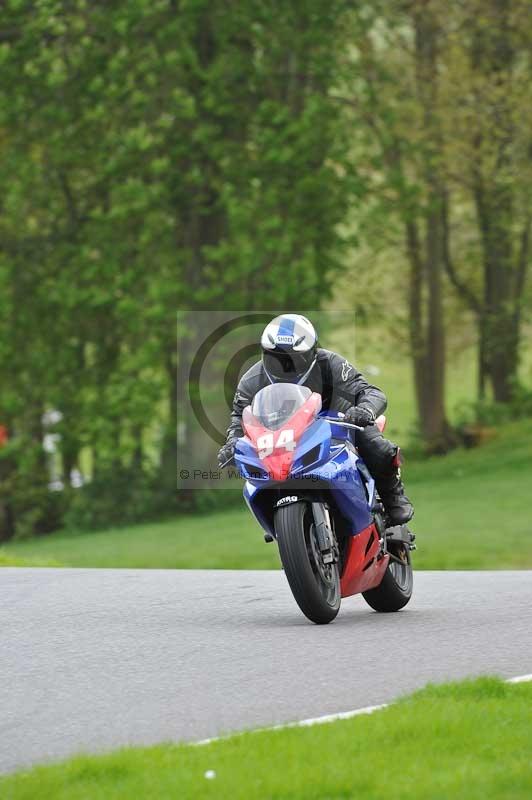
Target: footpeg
400 533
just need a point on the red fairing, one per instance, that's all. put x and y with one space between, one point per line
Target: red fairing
355 578
276 448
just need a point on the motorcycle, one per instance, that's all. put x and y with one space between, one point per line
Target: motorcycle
311 492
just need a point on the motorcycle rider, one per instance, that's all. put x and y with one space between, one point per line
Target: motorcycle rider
290 354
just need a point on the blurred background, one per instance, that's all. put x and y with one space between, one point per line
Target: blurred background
183 156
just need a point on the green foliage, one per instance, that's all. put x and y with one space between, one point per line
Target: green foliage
155 157
36 509
120 498
160 157
496 414
440 99
116 497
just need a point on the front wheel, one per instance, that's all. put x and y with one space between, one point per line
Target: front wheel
395 589
315 585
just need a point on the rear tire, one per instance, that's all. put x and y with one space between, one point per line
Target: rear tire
395 589
315 586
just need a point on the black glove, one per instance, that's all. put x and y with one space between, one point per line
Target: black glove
360 415
226 454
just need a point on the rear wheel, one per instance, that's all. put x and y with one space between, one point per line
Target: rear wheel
315 585
395 589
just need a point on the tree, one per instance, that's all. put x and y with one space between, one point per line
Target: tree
158 156
392 86
440 100
489 162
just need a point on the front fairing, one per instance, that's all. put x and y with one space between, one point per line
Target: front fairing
313 448
250 466
322 463
274 424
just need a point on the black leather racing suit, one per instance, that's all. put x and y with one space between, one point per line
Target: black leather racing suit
341 386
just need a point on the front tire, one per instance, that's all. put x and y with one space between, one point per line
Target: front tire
315 585
395 589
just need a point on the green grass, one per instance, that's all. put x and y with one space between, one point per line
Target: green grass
466 741
10 560
472 512
230 539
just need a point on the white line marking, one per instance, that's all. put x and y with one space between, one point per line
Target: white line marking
303 723
520 679
201 742
332 717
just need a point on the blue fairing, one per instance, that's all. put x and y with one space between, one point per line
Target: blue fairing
248 461
326 458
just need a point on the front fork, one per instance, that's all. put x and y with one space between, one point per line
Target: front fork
325 533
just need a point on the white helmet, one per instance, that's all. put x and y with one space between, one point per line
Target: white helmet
289 344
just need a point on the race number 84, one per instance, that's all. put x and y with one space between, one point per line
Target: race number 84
266 443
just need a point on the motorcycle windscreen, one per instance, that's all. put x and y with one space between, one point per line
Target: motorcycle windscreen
274 405
276 420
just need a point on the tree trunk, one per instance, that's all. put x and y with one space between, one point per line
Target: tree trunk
431 384
492 57
415 317
436 426
482 371
169 449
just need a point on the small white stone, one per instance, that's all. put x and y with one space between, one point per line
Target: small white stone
210 774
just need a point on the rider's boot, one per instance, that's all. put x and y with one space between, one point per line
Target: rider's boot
392 493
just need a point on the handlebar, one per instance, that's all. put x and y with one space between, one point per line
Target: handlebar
337 421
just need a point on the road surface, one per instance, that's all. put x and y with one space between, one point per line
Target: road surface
93 659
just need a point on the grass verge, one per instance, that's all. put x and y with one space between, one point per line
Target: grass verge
472 512
10 560
468 741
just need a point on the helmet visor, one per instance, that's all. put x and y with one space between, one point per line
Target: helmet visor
287 367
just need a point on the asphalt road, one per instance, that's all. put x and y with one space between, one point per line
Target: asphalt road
94 659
